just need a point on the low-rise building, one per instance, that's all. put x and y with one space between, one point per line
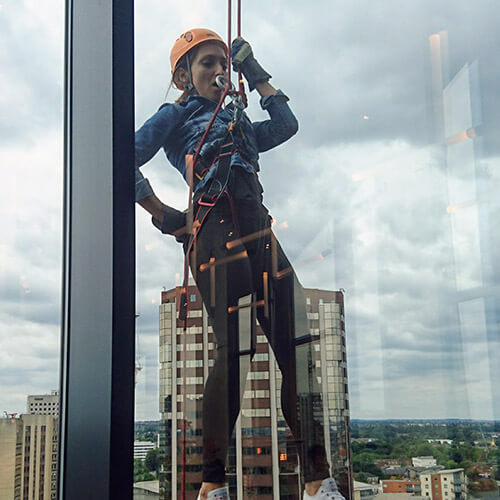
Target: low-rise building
447 484
371 478
141 449
423 462
395 471
396 462
395 496
365 491
401 486
440 441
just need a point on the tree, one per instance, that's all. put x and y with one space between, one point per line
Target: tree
152 461
364 462
424 449
360 476
141 473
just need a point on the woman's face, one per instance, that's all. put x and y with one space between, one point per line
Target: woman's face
210 61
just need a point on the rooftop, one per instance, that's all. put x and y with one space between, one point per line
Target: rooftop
437 470
152 486
358 485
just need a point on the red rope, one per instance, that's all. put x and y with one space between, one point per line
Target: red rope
239 18
229 13
241 85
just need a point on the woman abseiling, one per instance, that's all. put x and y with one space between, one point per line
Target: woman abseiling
235 236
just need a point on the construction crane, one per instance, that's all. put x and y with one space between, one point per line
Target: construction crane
138 365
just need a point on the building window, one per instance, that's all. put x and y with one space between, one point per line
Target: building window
192 297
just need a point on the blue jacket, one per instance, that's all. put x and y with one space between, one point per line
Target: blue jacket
178 128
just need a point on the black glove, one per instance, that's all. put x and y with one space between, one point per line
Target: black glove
243 59
173 222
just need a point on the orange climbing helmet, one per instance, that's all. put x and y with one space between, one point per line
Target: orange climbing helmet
191 39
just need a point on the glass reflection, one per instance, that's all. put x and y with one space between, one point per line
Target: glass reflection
387 193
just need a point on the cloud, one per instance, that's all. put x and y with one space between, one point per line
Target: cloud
31 35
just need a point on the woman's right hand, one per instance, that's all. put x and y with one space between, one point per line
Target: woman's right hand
172 222
167 219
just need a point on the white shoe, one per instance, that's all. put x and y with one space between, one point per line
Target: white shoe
218 494
328 489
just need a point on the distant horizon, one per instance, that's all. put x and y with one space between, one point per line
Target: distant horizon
409 420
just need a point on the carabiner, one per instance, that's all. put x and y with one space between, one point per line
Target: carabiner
221 82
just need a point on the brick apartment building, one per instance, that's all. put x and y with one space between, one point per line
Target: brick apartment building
262 460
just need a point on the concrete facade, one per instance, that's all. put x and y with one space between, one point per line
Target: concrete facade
43 404
29 457
10 457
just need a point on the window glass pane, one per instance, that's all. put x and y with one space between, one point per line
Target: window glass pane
31 62
385 204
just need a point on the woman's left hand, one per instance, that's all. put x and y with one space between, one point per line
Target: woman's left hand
244 60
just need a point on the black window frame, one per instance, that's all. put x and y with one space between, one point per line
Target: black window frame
98 306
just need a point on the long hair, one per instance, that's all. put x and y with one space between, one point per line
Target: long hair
184 63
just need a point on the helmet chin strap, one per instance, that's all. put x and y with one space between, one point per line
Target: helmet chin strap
189 85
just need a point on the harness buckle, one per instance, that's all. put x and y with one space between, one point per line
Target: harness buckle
207 199
205 203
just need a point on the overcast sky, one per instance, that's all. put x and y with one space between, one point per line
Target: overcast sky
364 182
